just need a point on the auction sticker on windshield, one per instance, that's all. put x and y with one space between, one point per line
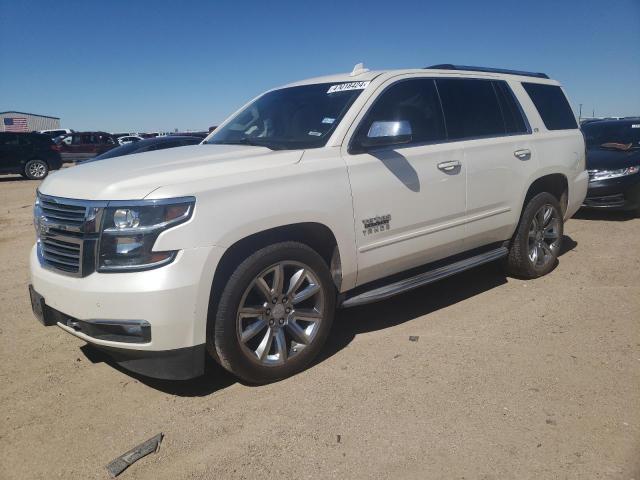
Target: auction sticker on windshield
341 87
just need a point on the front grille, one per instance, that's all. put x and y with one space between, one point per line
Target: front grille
54 211
61 255
67 234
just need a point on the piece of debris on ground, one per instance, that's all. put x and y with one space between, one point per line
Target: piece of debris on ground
120 464
414 338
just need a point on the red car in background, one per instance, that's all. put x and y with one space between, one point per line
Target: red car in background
84 145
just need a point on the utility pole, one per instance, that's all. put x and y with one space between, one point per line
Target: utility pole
580 114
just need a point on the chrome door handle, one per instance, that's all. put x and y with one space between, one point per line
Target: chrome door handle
524 154
449 166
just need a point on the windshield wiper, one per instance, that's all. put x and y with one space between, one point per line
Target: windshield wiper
246 141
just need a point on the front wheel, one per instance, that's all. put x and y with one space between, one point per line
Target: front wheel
536 244
274 314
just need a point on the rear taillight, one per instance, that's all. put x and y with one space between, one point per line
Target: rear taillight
55 147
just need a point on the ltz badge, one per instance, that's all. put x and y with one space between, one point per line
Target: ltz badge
376 224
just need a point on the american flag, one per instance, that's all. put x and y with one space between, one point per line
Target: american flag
15 124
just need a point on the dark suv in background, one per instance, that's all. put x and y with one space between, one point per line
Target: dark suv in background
83 145
613 162
32 155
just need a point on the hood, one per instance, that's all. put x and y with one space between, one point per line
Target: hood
133 177
611 159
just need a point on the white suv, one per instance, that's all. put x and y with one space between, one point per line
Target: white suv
330 192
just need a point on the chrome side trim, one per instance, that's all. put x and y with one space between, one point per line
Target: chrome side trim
387 291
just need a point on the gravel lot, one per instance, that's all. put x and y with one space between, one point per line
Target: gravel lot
508 379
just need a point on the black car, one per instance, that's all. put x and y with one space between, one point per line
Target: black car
148 145
32 155
613 162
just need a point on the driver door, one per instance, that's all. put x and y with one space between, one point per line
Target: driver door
409 199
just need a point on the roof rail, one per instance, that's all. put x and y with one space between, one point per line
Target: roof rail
467 68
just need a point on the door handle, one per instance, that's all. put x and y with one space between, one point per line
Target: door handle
449 166
524 154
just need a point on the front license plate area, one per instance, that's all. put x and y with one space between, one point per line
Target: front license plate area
39 308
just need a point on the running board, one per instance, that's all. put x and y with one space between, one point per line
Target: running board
387 291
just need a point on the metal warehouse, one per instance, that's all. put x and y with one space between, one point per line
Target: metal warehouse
26 122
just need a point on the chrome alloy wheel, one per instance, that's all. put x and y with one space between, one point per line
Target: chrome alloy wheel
280 313
37 170
544 236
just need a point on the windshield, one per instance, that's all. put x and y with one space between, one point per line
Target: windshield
290 118
623 136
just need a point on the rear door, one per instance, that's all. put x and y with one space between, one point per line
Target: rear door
484 118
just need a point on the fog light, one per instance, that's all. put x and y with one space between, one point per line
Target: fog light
127 331
126 218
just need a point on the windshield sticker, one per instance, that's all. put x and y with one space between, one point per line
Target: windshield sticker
315 134
635 125
341 87
328 120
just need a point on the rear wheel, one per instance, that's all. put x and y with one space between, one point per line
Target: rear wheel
274 314
36 169
536 245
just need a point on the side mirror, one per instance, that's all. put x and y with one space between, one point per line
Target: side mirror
384 133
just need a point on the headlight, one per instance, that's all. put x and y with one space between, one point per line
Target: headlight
597 175
130 229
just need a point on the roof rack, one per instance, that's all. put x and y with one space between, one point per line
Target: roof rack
467 68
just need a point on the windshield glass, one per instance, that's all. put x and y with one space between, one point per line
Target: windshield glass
609 135
290 118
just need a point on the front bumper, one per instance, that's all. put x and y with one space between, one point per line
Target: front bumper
616 194
172 301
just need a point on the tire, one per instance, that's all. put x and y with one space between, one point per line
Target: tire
534 249
36 169
261 339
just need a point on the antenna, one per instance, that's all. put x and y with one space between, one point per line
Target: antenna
358 69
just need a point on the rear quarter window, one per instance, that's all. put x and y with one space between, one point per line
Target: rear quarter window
552 105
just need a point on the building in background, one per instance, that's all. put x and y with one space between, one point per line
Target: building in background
26 122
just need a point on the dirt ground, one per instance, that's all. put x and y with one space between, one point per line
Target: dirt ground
508 379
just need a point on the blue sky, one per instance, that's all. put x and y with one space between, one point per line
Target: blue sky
159 65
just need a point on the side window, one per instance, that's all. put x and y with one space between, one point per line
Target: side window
415 101
552 105
470 107
24 140
77 139
513 120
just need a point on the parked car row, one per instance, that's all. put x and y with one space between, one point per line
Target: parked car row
147 145
80 146
34 155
